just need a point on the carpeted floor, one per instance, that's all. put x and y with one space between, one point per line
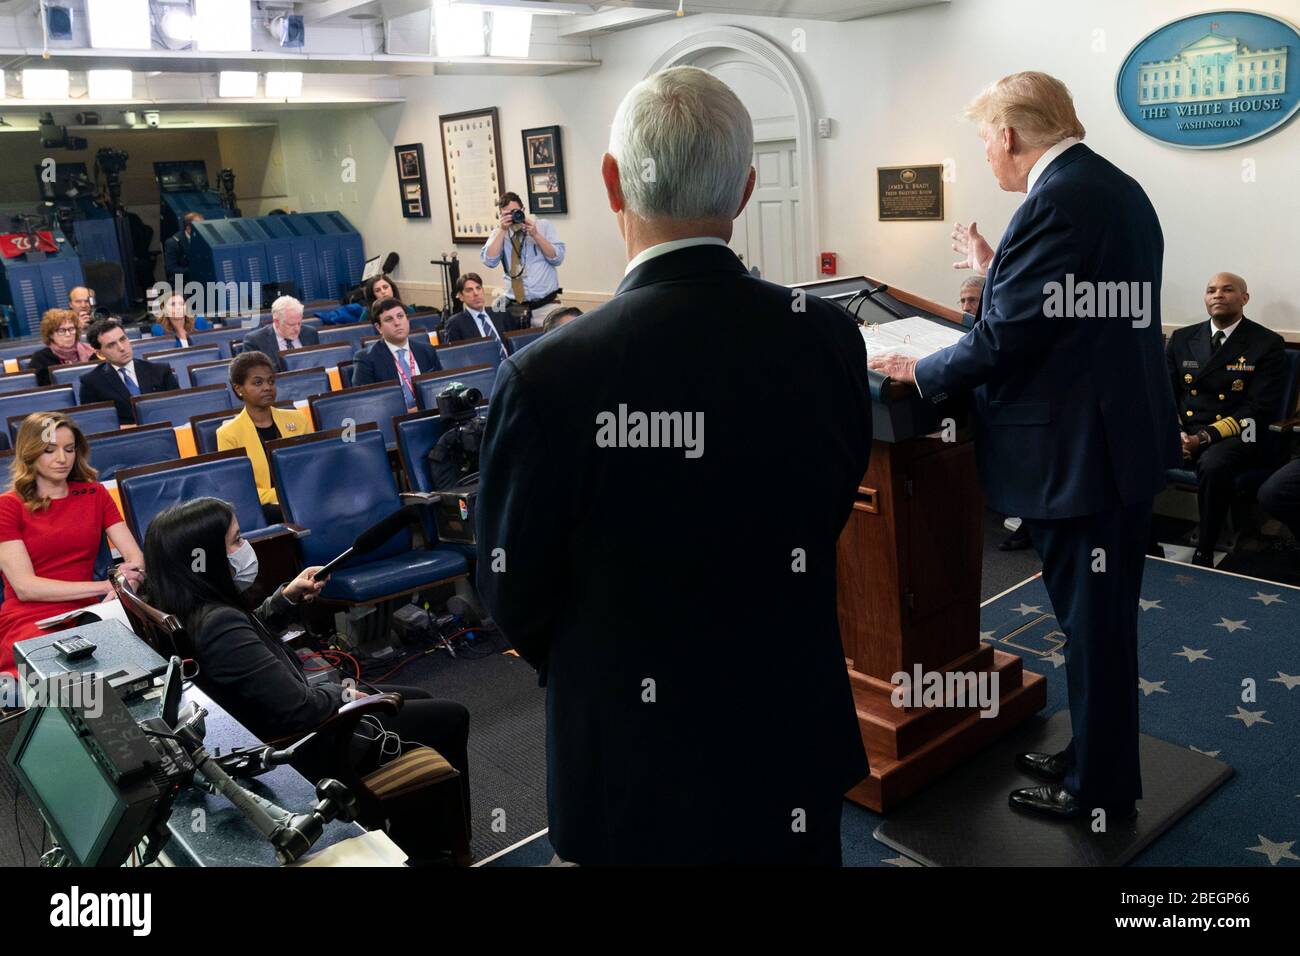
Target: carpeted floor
1202 634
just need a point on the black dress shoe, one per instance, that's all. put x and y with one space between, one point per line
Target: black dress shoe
1202 560
1059 804
1017 540
1051 767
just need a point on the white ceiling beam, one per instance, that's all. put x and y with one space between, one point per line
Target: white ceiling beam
619 18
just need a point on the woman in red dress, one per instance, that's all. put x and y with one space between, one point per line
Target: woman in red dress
51 526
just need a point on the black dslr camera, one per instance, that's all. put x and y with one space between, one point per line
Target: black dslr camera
458 404
517 217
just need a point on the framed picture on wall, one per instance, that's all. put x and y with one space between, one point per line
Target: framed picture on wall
471 155
544 163
411 182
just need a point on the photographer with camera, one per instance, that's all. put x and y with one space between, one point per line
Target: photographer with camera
529 251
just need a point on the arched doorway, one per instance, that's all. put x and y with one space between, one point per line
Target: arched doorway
778 230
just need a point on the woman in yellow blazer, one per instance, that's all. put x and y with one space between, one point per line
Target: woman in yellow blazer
252 376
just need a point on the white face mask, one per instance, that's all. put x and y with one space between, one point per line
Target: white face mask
243 565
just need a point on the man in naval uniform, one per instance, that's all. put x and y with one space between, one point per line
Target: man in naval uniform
1228 376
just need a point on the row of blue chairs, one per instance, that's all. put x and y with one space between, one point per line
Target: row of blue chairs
207 407
332 485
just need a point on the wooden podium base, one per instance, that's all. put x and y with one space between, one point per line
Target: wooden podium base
908 747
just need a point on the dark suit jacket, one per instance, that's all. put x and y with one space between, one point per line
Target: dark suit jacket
1072 415
264 339
176 255
462 326
635 564
1245 378
374 363
104 384
261 683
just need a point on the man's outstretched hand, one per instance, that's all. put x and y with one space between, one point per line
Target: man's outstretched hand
974 249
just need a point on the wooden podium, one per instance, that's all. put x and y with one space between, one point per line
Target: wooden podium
910 559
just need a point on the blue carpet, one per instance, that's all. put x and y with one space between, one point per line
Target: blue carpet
1202 636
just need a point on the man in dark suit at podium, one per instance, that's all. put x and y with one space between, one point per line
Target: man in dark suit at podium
1072 411
676 594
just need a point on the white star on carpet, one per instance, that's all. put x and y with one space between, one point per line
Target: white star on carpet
1192 655
1263 598
1149 687
986 635
905 861
1148 605
1056 659
1231 626
1026 610
1208 753
1290 680
1274 851
1249 717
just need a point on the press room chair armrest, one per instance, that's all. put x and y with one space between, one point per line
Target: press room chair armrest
1286 425
420 497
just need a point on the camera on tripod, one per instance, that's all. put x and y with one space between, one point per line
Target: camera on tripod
458 403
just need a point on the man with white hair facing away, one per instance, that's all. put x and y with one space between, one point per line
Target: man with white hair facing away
1073 414
635 544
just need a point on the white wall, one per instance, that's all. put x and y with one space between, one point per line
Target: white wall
895 86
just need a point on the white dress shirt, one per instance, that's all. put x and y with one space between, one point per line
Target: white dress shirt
1045 160
1227 333
672 246
410 357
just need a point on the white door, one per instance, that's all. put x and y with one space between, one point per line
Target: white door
766 232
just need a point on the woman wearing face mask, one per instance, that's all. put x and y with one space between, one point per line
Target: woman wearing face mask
203 565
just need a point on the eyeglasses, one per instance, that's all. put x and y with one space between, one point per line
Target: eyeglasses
66 330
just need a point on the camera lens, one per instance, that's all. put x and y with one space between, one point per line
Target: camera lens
517 216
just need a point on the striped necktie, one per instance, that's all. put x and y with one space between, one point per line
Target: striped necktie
489 330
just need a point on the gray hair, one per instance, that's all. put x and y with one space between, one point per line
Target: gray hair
972 282
684 143
282 305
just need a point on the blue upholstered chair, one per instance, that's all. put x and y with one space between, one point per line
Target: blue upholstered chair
351 334
428 385
47 399
338 489
519 338
182 359
302 384
222 338
20 381
91 419
71 375
379 403
179 406
316 356
130 447
472 352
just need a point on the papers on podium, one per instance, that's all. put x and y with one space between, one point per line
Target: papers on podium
914 337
